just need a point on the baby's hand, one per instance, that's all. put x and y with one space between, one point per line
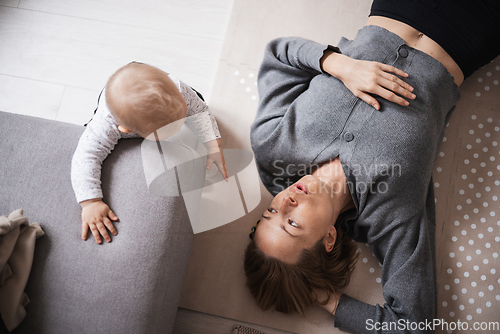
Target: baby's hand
215 155
96 215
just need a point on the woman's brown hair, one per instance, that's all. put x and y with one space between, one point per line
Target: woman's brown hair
289 287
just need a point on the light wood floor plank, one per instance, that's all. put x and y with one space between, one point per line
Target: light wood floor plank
78 45
192 322
9 3
77 105
200 18
84 53
30 97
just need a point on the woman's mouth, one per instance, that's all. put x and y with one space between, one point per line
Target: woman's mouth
300 187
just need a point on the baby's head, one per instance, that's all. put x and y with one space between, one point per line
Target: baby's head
143 99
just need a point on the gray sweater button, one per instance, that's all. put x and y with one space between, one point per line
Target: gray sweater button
403 52
348 136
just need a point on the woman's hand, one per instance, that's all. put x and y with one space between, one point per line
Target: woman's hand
331 305
363 78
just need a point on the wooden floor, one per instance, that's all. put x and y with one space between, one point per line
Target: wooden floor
192 322
56 55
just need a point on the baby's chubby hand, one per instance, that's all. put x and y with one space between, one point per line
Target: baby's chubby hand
97 216
215 155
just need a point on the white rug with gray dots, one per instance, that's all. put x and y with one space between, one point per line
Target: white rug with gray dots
467 185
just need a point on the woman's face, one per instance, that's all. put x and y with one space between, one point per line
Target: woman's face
297 219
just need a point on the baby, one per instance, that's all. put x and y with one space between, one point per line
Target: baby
139 100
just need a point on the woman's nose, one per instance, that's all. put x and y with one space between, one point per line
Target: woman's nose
290 201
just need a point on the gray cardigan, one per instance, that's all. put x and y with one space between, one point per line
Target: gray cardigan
307 117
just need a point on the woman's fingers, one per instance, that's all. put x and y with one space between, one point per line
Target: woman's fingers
391 96
368 99
392 69
396 85
390 87
369 79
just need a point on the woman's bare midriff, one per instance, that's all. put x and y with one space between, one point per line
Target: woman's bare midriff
419 41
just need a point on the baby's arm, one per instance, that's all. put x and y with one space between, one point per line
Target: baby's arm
97 141
215 154
204 125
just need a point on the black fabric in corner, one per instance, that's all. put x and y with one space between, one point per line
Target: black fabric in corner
3 329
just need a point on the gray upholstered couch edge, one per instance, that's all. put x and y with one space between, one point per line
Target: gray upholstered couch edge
131 285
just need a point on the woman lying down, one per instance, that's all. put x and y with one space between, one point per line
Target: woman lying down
344 165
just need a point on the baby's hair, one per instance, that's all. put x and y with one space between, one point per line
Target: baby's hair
142 98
